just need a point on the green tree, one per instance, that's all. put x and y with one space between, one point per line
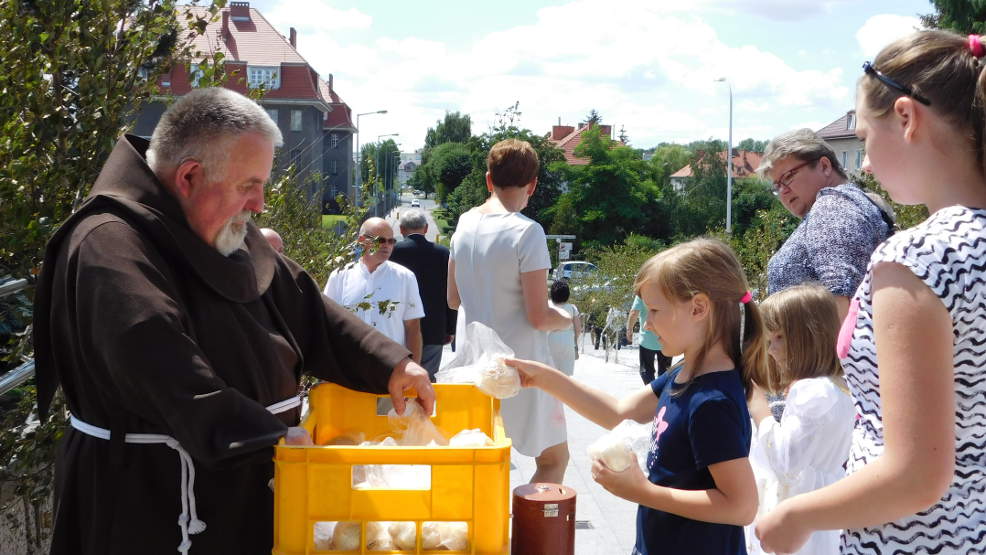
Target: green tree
451 163
454 128
610 191
962 16
701 203
593 118
752 145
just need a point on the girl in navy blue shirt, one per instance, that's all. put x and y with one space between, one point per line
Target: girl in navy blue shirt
700 490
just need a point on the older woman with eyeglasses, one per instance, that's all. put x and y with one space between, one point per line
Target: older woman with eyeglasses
840 224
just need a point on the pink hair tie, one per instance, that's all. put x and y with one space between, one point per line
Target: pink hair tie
747 298
976 46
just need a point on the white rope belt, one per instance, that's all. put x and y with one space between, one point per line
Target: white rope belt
188 520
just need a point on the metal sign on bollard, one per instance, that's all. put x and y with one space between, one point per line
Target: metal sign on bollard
543 520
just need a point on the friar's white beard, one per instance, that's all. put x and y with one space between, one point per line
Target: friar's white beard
232 235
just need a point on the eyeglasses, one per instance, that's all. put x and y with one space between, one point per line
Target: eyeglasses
383 240
903 89
787 177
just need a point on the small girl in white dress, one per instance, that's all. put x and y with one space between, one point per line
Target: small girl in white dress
808 447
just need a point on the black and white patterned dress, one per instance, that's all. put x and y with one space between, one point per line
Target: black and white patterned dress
948 253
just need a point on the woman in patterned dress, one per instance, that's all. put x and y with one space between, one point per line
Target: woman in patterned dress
914 342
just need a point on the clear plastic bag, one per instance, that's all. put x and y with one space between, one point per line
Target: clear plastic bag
614 448
479 360
470 438
414 427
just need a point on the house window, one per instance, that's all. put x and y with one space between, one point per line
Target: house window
859 159
333 167
334 140
195 74
272 112
295 120
851 121
845 159
263 76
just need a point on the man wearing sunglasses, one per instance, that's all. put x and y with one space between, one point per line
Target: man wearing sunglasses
840 224
382 293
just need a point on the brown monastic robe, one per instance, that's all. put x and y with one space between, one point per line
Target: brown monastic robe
148 329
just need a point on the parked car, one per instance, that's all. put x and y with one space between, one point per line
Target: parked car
574 269
415 203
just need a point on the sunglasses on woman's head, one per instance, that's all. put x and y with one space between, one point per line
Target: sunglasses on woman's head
903 89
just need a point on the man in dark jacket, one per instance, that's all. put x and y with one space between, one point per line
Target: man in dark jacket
178 337
429 262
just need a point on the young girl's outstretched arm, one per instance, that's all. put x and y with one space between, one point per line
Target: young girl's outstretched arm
732 501
913 332
598 406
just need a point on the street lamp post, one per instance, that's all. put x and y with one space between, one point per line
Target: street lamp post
359 169
729 165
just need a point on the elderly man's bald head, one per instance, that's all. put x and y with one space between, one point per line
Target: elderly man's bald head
377 237
377 227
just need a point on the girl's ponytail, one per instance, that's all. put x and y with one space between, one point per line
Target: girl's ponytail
752 359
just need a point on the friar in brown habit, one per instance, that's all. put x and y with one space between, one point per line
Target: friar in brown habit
179 336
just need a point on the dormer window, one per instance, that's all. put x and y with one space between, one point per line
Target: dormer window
268 77
851 121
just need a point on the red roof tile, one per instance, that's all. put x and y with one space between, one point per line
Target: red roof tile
255 41
341 116
249 39
569 138
745 163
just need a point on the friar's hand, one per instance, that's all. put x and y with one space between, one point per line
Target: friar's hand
410 375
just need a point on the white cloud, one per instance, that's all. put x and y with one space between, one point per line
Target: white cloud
881 30
316 15
648 66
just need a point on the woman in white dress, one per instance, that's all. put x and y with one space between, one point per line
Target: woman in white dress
807 448
498 273
564 349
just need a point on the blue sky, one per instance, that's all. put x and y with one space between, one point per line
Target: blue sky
648 66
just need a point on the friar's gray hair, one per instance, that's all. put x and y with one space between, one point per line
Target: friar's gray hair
802 144
201 126
413 219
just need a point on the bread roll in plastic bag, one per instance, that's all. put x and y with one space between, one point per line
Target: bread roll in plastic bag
404 535
431 536
455 535
378 537
414 427
614 448
479 360
470 438
345 536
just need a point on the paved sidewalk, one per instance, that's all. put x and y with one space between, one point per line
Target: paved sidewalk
606 524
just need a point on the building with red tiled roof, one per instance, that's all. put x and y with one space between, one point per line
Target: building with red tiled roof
745 163
841 136
302 104
568 138
337 148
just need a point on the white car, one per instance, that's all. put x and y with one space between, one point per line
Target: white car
574 269
415 203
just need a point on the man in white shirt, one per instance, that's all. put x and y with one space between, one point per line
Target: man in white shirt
382 293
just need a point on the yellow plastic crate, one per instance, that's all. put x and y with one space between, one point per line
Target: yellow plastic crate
472 485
